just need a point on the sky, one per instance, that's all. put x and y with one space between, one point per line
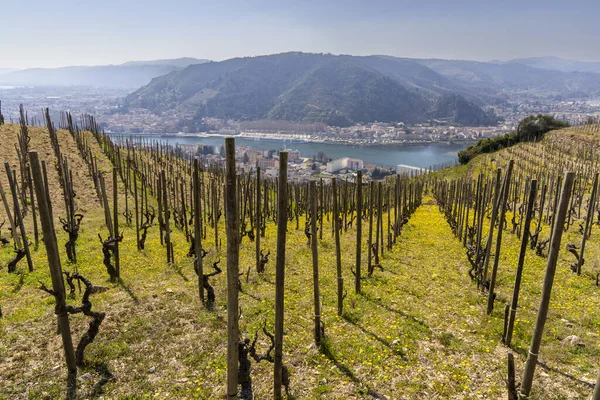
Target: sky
41 33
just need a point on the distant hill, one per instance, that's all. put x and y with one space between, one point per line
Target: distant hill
560 64
495 79
175 62
338 90
129 75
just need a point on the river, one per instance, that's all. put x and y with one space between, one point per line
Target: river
420 156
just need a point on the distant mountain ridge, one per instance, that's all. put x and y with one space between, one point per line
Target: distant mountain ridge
337 90
559 64
176 62
132 74
496 80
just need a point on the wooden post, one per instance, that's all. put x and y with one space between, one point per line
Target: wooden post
488 245
18 218
389 219
50 242
36 236
378 225
315 259
359 206
555 205
47 188
588 221
116 222
397 209
503 200
468 208
257 221
107 216
11 221
510 382
370 237
166 214
480 207
137 210
127 182
159 200
524 242
338 256
596 395
184 209
266 208
204 223
215 208
321 209
557 230
198 229
233 237
280 272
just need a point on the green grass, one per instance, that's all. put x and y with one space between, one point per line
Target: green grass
418 329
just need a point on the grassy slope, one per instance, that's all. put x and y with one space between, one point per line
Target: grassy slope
575 300
418 331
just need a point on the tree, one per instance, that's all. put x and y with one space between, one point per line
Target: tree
530 129
321 156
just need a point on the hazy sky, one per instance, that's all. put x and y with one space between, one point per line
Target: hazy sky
42 33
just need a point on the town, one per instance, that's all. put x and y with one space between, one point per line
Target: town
104 103
300 168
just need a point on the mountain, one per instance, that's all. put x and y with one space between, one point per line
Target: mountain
6 70
174 62
559 64
338 90
340 93
500 79
129 75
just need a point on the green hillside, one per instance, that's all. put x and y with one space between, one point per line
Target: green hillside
418 329
313 88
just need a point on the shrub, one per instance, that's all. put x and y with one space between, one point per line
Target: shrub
530 129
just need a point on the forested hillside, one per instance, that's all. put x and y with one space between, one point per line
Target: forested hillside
338 90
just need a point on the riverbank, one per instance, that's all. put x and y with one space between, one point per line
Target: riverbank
420 155
305 139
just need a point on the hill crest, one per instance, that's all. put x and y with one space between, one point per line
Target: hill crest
310 87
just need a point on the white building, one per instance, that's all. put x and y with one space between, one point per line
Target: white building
352 164
403 169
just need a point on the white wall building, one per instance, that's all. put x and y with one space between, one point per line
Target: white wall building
352 164
403 169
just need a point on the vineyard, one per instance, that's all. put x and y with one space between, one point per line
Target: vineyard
131 270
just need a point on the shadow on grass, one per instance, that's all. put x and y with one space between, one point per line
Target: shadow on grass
106 376
265 279
128 290
327 351
177 268
376 337
251 295
368 297
389 271
523 352
19 284
272 283
566 375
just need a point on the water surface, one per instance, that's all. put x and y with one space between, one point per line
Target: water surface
421 156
